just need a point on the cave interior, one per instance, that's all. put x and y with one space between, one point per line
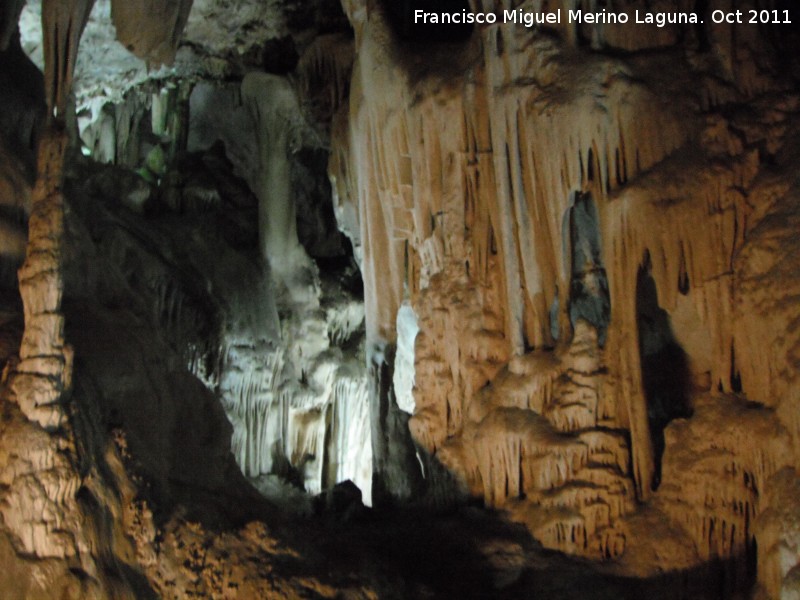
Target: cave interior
310 299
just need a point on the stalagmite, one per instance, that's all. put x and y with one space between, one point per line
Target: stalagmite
777 532
40 505
273 104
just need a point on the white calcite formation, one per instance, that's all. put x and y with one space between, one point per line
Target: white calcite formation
404 367
299 407
273 105
294 386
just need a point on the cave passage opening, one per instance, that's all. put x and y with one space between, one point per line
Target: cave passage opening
666 377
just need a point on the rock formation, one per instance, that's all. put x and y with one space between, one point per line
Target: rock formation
574 232
150 28
520 287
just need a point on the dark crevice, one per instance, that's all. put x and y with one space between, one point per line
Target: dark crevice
401 17
684 284
736 378
665 366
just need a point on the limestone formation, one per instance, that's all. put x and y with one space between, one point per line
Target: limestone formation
151 29
62 26
519 194
310 299
272 103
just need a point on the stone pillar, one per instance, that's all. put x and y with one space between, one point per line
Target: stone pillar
40 479
272 102
45 369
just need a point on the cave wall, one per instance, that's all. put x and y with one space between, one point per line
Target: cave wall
514 190
117 468
457 168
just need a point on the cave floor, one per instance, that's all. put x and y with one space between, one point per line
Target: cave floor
471 552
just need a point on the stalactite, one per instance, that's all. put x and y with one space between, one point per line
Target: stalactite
324 75
62 23
151 29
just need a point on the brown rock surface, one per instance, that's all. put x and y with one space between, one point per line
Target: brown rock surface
151 29
592 228
464 167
